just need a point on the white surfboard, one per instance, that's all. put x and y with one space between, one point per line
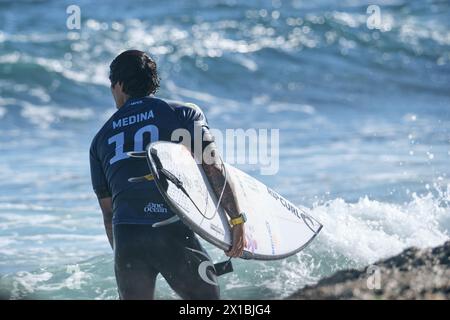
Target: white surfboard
275 227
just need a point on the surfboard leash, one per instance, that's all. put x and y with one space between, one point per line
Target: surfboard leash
179 184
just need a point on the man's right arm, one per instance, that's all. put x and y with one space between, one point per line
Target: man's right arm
100 185
220 182
106 206
192 118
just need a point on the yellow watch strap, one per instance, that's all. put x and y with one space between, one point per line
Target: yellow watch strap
236 221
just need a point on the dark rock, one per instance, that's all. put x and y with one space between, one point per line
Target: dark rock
413 274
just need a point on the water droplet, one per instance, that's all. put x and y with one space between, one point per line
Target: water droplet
275 15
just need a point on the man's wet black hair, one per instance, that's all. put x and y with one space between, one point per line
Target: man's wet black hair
136 71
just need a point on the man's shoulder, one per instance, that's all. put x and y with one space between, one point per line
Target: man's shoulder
183 105
103 131
186 110
95 139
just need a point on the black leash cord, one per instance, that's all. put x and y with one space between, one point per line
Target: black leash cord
179 184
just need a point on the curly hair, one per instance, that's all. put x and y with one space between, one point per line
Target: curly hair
137 73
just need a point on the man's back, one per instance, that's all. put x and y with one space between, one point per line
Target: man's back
139 122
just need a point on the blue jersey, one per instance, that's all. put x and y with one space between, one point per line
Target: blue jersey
131 128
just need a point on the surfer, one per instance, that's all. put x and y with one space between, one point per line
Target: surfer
132 213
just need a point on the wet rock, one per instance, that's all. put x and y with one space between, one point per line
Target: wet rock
413 274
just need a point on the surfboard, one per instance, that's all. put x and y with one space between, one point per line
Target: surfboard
275 227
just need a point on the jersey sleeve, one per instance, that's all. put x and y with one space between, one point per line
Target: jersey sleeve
98 178
193 119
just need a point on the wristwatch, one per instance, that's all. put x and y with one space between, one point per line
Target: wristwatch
242 218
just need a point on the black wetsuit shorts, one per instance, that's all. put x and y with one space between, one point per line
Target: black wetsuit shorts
141 252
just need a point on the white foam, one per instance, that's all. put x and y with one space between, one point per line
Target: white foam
10 58
348 19
2 112
27 282
354 234
216 106
358 234
246 62
65 237
91 73
369 230
275 107
44 116
413 30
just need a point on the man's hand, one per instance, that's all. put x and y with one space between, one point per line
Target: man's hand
238 241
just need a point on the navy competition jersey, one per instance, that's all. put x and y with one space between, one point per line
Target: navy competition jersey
131 128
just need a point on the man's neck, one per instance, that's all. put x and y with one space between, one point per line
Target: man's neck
123 102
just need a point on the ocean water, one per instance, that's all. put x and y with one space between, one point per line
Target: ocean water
363 114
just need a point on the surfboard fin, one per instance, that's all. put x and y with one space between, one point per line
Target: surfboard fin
148 177
223 267
166 222
137 154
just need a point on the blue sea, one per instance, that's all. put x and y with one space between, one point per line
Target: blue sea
363 117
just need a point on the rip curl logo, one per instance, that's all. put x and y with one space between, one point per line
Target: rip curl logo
203 266
309 222
155 208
